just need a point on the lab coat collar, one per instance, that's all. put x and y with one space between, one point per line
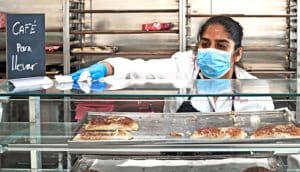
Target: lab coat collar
242 73
224 102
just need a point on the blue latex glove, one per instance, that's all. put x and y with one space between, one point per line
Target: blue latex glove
97 71
88 87
76 86
214 86
98 86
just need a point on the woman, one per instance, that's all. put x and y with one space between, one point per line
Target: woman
218 50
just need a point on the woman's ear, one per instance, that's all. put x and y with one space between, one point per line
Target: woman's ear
195 50
238 55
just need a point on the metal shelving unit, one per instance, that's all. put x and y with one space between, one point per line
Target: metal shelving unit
83 31
275 53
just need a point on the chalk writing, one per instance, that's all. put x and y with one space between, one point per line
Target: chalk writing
25 45
21 48
27 28
19 66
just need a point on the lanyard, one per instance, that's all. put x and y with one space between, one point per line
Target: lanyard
211 103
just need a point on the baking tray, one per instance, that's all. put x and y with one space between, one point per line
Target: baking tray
155 128
176 163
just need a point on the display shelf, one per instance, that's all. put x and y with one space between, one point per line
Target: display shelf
46 30
54 30
30 170
252 48
278 148
55 52
77 1
126 11
272 71
53 73
168 88
51 132
263 48
245 15
121 32
155 53
57 136
86 27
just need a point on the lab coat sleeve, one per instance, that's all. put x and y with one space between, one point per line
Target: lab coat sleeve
254 104
119 64
179 66
268 103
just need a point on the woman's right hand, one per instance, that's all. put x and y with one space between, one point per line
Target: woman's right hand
96 71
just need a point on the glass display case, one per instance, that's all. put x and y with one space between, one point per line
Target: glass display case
44 120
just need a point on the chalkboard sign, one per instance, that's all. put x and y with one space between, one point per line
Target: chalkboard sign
25 44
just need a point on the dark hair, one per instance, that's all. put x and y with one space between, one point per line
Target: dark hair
234 29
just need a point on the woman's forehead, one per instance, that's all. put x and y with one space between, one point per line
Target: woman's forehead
216 32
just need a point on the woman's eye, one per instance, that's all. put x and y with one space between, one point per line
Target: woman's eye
221 47
204 45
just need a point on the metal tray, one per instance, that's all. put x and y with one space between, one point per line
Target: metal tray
176 163
155 128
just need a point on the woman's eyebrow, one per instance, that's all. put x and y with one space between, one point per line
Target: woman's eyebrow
217 40
204 39
222 41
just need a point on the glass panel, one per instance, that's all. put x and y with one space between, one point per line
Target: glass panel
29 170
162 88
152 126
44 133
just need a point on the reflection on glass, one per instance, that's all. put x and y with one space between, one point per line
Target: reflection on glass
170 88
214 86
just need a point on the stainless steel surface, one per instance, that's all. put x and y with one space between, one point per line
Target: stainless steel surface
203 163
122 149
155 128
66 37
298 65
253 18
110 22
182 25
35 120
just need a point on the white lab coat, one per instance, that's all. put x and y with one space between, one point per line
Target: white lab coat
182 66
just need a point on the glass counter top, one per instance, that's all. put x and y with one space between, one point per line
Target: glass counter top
56 136
29 133
159 88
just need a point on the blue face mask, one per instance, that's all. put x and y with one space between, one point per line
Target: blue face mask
213 63
214 86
